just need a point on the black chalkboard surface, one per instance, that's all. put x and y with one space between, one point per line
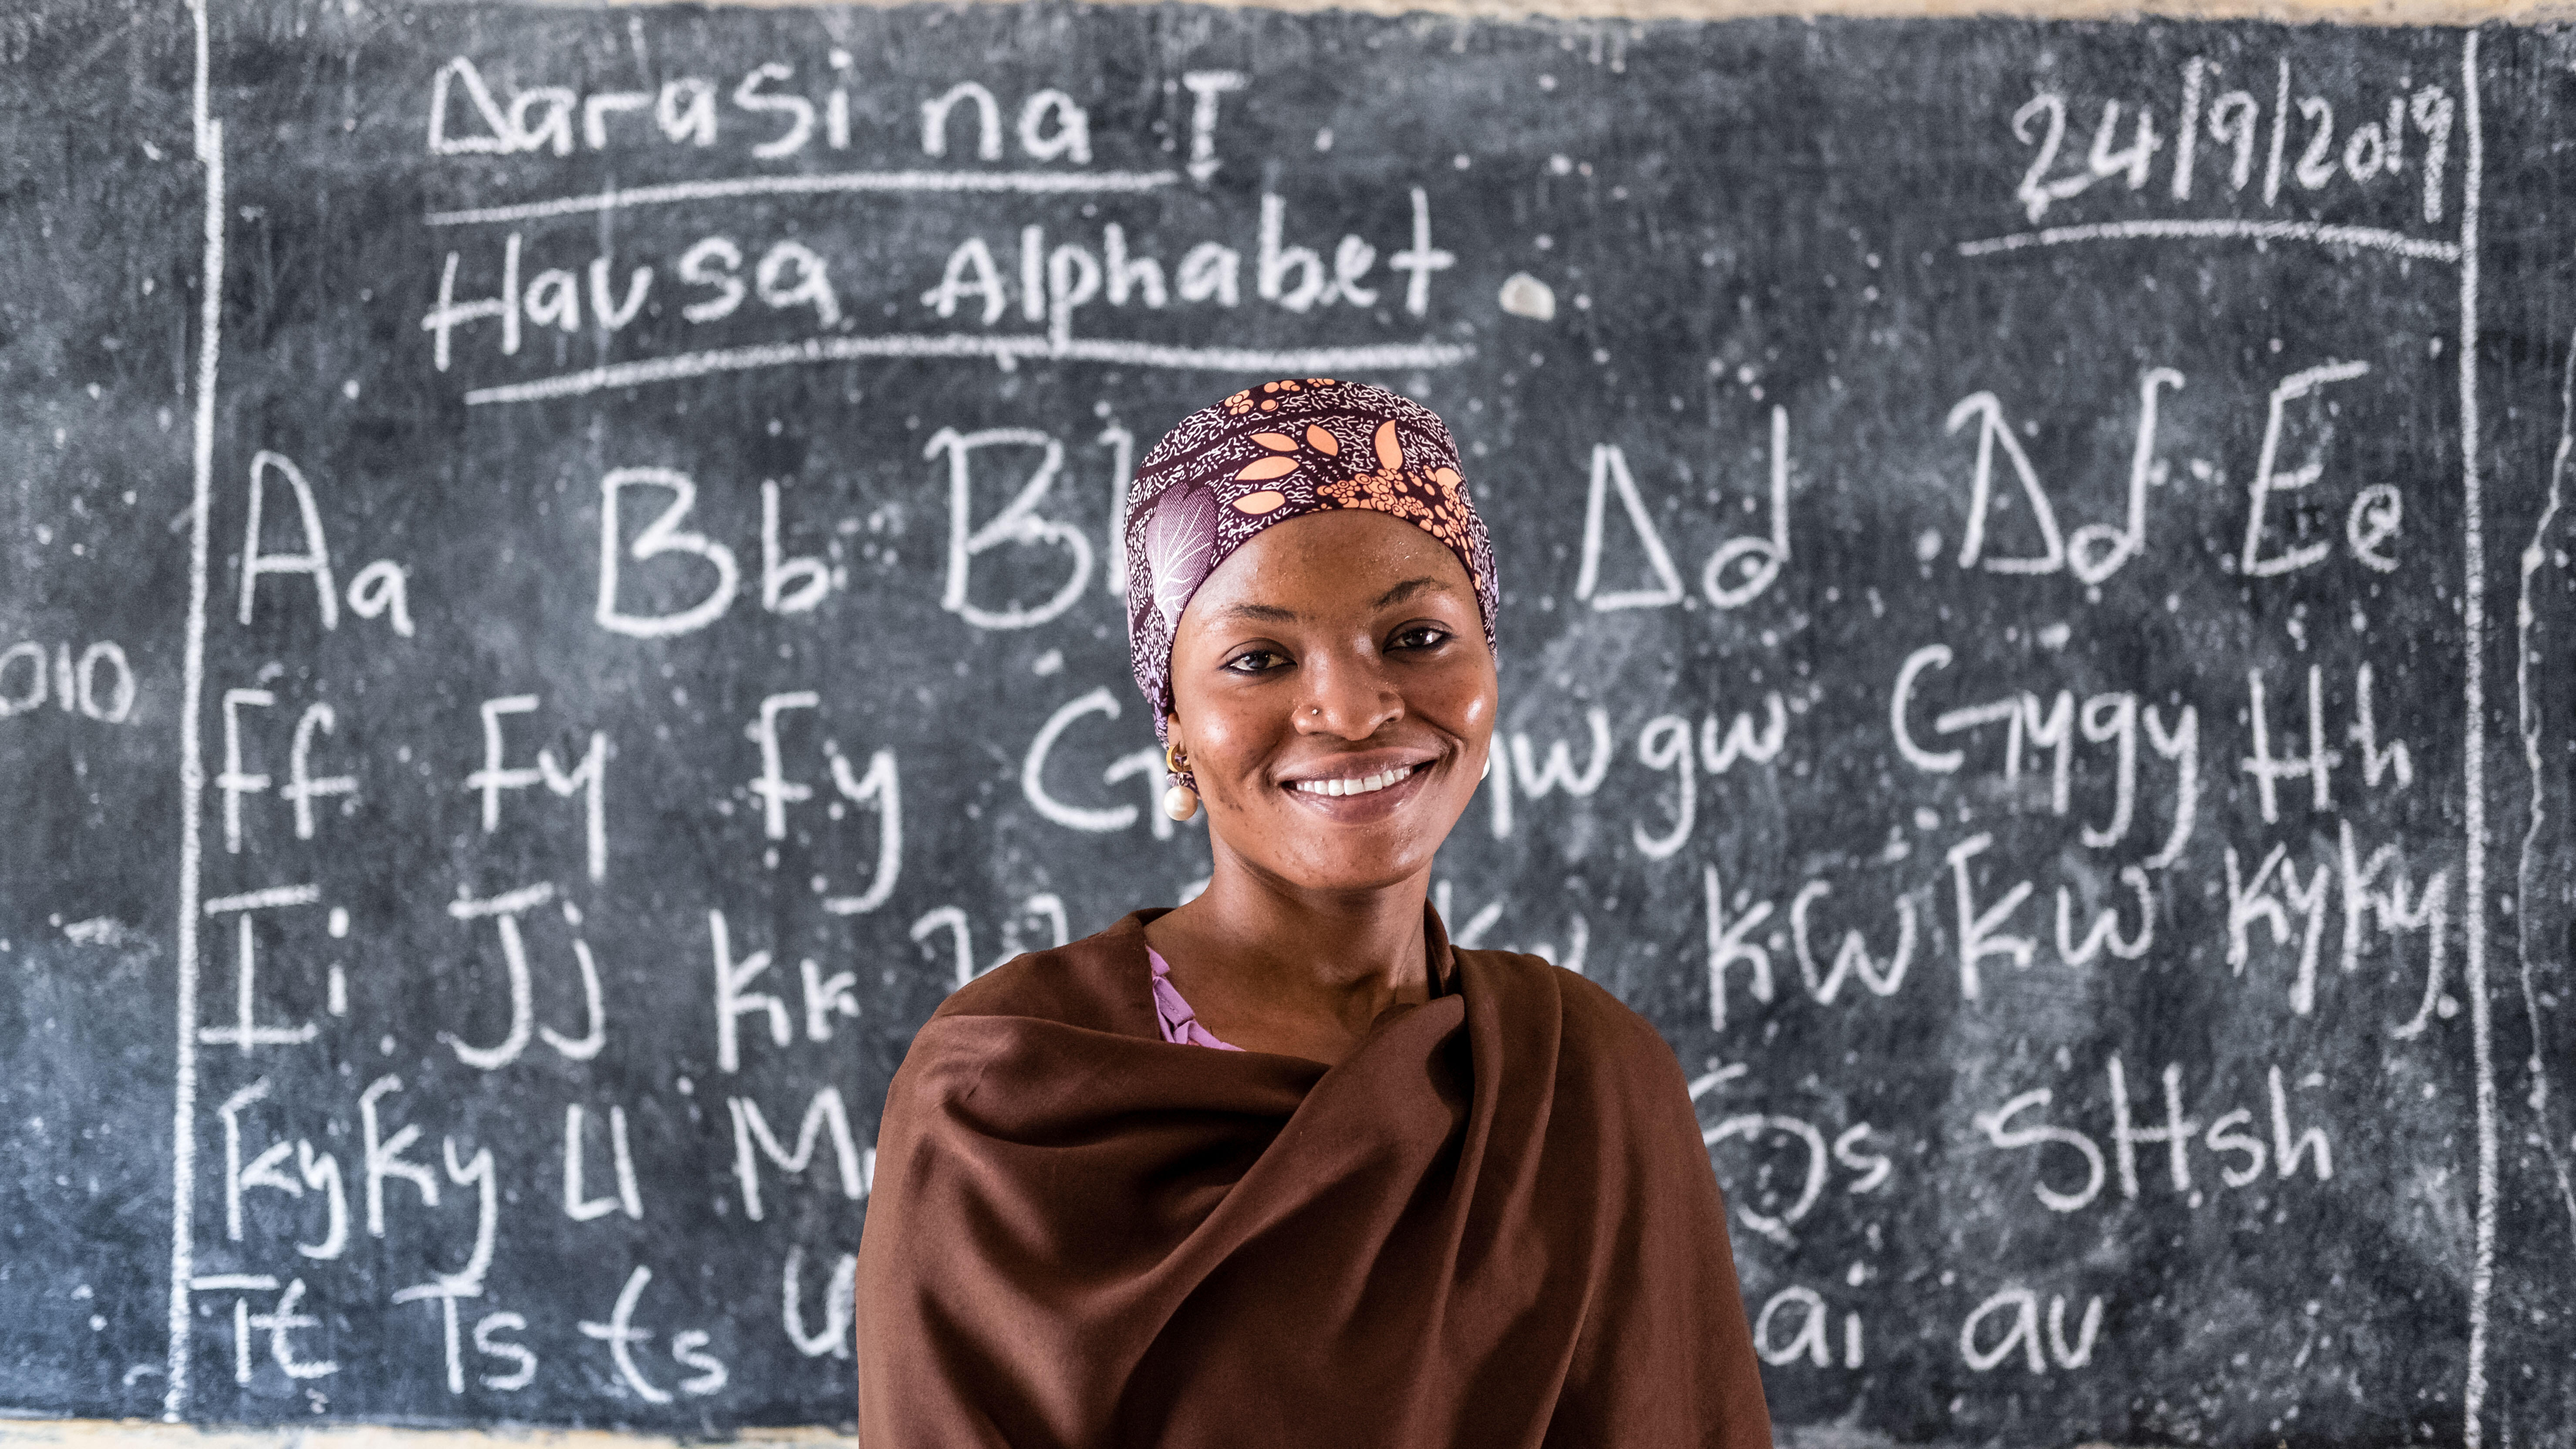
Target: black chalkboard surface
560 592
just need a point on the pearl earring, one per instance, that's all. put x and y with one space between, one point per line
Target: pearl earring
1179 802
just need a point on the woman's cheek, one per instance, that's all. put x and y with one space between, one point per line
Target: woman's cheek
1470 708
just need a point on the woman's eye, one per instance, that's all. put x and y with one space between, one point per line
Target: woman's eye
1421 636
1254 661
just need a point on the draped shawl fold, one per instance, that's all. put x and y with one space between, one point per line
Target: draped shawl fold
1493 1225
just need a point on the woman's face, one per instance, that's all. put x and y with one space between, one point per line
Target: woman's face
1334 696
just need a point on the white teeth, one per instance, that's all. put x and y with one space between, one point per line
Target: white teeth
1367 785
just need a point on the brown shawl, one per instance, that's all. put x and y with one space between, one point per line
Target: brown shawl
1494 1225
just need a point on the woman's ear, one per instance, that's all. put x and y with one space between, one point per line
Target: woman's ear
1172 734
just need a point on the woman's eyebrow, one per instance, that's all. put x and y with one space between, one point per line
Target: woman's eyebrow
1267 613
1407 590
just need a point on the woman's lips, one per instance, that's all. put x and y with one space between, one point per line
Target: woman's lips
1363 785
1361 797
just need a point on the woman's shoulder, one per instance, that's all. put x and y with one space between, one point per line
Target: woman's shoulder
1594 1027
1101 983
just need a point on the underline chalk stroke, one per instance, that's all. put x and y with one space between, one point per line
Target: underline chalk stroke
2369 238
1015 183
1008 351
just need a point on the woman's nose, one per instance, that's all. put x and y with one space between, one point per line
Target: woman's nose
1347 698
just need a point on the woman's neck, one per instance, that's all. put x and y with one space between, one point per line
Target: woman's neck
1269 967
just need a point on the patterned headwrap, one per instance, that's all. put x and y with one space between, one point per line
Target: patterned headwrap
1269 454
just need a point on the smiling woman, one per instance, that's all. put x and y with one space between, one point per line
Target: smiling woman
1281 1167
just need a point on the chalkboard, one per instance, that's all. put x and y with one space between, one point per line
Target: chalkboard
561 591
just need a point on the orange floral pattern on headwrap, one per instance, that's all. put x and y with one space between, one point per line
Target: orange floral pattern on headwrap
1268 454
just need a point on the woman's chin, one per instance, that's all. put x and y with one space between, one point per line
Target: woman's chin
1356 863
1340 844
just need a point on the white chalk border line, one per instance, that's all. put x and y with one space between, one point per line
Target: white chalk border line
209 137
2473 1395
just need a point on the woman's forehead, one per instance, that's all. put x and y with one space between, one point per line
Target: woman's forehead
1344 559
